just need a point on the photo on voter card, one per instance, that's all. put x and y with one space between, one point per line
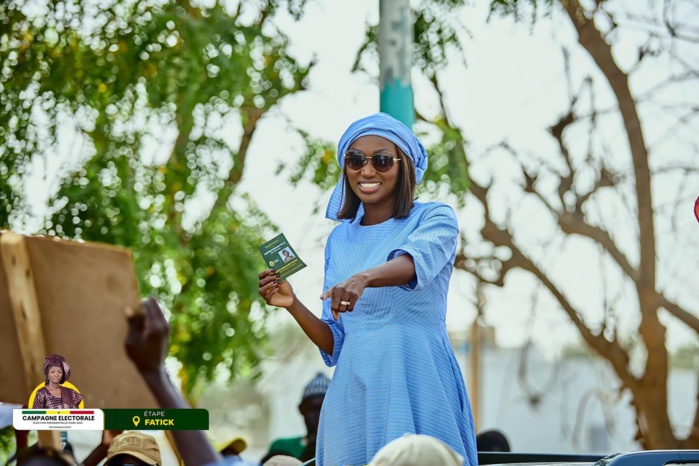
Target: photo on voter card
287 255
278 255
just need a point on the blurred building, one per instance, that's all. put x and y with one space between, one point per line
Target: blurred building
568 404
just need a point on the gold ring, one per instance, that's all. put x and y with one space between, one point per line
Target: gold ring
344 303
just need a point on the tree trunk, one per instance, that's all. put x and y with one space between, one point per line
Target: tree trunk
650 393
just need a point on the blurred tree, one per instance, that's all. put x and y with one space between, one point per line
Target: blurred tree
589 180
158 102
7 443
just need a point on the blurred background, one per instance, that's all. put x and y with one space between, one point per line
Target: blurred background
564 133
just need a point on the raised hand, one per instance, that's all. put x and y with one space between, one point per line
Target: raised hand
275 293
146 342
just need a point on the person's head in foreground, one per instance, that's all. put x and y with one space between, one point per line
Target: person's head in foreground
234 447
416 450
382 162
492 440
282 460
43 456
133 448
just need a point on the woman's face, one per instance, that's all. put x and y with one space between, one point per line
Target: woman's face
55 374
373 187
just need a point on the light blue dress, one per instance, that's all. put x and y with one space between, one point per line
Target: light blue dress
396 370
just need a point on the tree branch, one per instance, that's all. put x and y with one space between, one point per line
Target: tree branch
592 41
682 314
651 401
611 350
250 116
574 223
605 180
565 181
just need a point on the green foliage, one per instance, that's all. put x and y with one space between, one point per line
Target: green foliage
519 9
317 165
435 32
685 357
151 90
7 443
448 165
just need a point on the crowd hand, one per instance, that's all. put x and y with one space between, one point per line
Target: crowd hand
108 436
274 292
146 346
100 452
345 295
146 342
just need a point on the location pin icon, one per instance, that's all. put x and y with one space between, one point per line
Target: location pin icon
136 420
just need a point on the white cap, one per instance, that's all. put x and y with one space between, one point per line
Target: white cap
282 460
414 450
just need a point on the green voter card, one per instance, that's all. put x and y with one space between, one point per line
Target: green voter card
280 256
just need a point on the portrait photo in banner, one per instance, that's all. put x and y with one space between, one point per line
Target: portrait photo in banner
56 392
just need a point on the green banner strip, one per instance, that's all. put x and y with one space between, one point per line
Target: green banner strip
156 419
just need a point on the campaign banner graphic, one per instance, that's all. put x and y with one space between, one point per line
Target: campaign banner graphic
58 419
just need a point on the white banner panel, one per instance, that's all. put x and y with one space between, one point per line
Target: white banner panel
58 419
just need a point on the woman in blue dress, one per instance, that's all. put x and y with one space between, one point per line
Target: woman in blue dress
387 270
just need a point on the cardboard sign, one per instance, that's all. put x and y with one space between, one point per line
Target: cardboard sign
68 298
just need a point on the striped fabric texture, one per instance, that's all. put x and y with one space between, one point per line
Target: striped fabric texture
396 372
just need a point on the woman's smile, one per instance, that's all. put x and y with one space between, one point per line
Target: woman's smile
368 187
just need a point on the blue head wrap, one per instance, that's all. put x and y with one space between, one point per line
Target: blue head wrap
387 127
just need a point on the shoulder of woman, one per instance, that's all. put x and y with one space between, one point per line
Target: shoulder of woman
339 230
435 209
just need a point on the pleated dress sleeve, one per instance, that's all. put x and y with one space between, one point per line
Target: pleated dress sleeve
432 245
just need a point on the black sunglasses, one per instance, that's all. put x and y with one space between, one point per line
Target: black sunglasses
355 160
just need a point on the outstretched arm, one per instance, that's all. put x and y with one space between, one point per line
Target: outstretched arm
146 346
281 294
398 271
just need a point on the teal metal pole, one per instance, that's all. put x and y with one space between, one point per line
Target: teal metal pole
395 58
